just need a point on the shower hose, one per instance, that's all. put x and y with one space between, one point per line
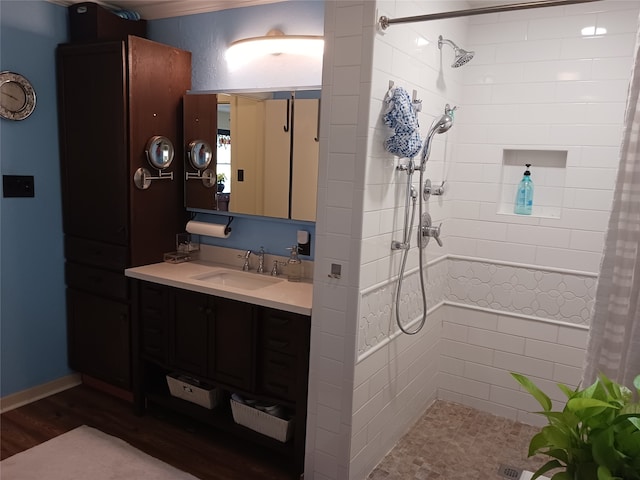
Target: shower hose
408 229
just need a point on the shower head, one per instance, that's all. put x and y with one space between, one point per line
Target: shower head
462 55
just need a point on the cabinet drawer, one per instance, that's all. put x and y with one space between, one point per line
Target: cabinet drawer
278 374
154 300
154 342
96 280
154 315
283 331
98 254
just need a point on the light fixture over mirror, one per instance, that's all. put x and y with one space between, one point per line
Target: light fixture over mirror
275 42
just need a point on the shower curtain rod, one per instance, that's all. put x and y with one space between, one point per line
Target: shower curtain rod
384 22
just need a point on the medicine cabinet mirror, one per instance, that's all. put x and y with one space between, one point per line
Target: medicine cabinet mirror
265 151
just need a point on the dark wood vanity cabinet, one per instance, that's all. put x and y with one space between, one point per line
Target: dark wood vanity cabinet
283 339
257 352
212 337
112 98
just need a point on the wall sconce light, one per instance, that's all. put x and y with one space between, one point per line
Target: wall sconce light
274 42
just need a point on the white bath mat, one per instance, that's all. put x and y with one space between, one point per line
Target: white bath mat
86 453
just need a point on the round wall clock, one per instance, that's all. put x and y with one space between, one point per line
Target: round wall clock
17 96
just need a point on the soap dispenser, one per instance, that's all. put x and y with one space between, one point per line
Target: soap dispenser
524 196
294 265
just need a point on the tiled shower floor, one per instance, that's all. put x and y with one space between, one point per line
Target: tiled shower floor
452 442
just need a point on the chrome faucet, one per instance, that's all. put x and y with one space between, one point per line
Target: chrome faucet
247 254
274 270
260 255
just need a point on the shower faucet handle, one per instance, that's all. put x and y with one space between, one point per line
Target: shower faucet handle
438 190
429 231
435 233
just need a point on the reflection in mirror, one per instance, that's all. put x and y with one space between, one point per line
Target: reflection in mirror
159 152
267 153
200 125
199 154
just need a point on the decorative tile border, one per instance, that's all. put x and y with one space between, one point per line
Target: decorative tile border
546 293
555 295
377 305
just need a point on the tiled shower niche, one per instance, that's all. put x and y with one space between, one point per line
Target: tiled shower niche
548 171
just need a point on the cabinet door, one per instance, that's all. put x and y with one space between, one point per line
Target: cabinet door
247 154
277 154
188 338
231 332
92 103
158 77
304 168
99 337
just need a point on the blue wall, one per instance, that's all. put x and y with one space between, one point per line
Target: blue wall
33 316
207 36
33 345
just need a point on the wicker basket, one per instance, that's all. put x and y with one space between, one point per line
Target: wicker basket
192 390
262 422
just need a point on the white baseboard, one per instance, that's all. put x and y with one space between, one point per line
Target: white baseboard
29 395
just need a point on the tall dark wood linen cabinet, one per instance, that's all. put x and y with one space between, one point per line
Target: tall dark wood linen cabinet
113 98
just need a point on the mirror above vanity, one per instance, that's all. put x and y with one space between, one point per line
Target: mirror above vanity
265 152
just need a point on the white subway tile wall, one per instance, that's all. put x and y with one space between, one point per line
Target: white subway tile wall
545 85
535 83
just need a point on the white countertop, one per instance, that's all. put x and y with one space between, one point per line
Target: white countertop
293 297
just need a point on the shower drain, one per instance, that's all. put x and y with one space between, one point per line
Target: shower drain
507 471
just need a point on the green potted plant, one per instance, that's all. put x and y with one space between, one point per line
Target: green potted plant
596 436
221 179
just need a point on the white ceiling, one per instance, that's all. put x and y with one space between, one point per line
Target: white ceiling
154 9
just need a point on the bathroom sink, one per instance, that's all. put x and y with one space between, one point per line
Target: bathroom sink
245 281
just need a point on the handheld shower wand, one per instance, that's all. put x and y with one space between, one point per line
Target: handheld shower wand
439 125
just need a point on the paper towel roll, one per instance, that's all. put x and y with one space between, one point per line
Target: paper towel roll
208 229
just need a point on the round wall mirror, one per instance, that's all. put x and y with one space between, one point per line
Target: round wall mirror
200 154
160 152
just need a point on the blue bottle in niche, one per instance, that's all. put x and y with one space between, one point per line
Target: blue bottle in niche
524 197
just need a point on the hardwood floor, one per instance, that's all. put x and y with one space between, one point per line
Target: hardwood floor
201 451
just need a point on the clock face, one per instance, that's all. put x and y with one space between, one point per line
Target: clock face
17 96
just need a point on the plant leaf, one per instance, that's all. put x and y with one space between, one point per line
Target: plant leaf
587 471
567 419
550 465
538 441
577 404
635 421
604 473
631 408
557 437
535 392
567 391
603 449
612 388
636 383
559 454
561 476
